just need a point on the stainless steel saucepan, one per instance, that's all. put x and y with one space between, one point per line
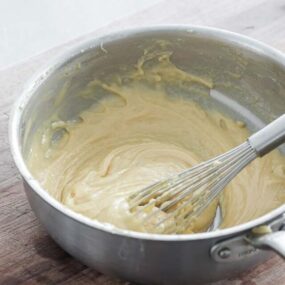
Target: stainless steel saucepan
249 83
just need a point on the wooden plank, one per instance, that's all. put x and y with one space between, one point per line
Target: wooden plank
27 253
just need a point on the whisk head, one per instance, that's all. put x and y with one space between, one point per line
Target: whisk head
171 205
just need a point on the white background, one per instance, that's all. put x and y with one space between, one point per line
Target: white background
29 27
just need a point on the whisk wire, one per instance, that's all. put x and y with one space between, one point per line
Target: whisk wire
178 200
209 193
153 189
215 191
192 191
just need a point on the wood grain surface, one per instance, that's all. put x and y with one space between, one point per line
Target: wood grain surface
27 254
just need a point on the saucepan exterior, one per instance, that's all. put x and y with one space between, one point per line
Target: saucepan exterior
140 257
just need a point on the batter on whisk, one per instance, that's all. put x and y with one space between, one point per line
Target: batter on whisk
139 134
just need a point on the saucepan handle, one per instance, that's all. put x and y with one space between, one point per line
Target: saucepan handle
264 237
274 241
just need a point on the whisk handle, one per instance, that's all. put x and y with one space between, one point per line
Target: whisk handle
269 137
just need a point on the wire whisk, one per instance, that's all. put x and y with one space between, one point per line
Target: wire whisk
170 206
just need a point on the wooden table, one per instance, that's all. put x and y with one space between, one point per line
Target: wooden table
27 253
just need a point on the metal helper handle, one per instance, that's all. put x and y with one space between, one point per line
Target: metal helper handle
269 137
249 244
274 241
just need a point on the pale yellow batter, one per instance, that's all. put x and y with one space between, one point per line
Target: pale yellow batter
140 135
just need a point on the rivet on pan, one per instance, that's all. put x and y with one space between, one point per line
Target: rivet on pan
224 253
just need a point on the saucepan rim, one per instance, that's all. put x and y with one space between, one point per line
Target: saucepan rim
39 78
